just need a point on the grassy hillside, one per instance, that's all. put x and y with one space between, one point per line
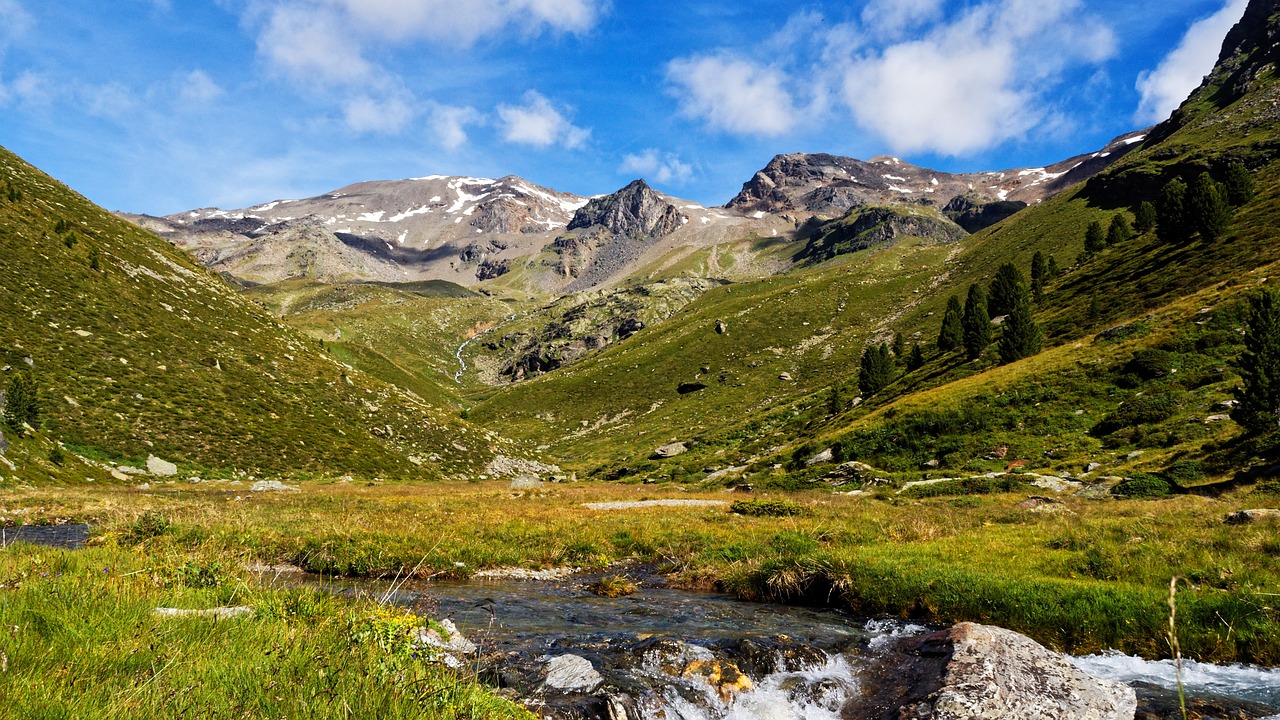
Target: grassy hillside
619 405
137 351
404 334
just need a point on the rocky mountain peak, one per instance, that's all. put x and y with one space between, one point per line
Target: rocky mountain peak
634 211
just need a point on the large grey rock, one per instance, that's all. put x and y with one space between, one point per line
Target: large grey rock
671 450
526 482
981 672
825 456
160 468
571 673
1246 517
4 444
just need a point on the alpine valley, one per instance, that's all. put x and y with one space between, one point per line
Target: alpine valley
1042 399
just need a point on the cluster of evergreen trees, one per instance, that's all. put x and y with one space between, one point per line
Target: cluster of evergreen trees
1179 213
969 326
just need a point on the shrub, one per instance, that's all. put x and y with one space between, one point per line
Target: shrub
1142 409
613 586
1184 472
967 486
766 508
1147 365
1143 485
150 525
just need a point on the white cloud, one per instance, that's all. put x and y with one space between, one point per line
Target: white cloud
920 96
450 124
310 43
658 167
894 17
539 123
14 21
387 116
112 100
197 88
466 22
1182 70
732 94
327 40
32 89
976 81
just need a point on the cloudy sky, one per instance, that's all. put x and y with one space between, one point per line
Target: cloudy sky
159 106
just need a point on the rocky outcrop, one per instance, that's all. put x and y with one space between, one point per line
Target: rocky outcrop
867 227
634 211
576 326
831 185
611 232
974 672
973 215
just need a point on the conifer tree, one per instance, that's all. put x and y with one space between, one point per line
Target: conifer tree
1039 274
1005 287
1144 217
952 333
1239 182
835 401
876 371
1095 238
915 360
1258 407
1171 215
1207 208
1054 270
976 323
1120 231
899 344
1021 336
20 402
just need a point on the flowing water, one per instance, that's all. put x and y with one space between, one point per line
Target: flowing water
70 536
673 654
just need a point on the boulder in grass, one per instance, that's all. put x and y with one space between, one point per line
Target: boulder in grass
271 486
1248 517
526 482
670 450
161 468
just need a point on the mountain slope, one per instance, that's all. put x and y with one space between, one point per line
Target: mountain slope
137 351
791 341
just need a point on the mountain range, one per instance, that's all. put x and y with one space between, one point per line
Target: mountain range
473 231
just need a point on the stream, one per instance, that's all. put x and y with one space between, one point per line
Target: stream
681 655
669 653
462 364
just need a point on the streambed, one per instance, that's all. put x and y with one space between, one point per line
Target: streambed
674 654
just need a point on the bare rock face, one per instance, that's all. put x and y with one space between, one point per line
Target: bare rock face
972 672
634 211
830 185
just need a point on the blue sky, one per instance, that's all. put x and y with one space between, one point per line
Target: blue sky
159 106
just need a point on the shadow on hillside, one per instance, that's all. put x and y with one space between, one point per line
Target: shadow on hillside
1260 454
